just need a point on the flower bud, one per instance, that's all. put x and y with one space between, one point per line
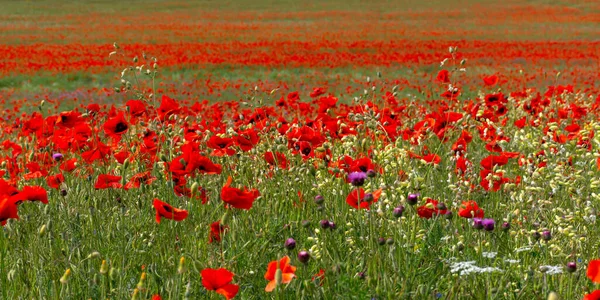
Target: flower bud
412 199
398 211
324 224
290 244
546 235
319 199
571 267
303 256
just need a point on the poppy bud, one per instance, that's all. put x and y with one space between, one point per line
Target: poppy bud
65 278
324 224
113 273
181 268
546 235
103 267
303 256
319 199
42 230
278 277
398 211
290 244
412 199
571 267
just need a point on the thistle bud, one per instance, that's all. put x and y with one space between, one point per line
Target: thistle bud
412 199
398 211
290 244
571 267
303 256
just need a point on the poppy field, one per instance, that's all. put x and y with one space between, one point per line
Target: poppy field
300 150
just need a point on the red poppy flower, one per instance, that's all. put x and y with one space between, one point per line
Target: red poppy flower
137 180
116 126
164 210
278 159
221 146
167 107
470 209
237 198
106 181
54 181
8 209
32 193
443 76
429 209
593 270
595 295
220 282
287 273
320 276
316 92
156 297
365 202
491 80
493 160
216 229
246 139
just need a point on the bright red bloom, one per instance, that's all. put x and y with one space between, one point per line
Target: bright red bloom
595 295
32 193
8 209
287 272
491 80
216 229
156 297
164 210
320 276
237 198
220 282
167 107
443 76
359 194
116 126
493 160
246 139
318 91
106 181
429 209
221 146
277 159
470 209
593 270
54 181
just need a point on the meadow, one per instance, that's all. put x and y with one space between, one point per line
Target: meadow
299 149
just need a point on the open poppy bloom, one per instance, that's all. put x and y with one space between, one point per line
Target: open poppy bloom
8 209
287 273
593 270
430 209
358 199
32 193
164 210
470 209
220 282
216 229
116 126
595 295
106 181
242 199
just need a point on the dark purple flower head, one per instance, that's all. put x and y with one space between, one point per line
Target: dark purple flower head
319 199
546 235
571 267
303 256
357 178
324 224
477 223
505 226
412 199
57 156
398 211
332 225
368 197
371 173
290 244
488 224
